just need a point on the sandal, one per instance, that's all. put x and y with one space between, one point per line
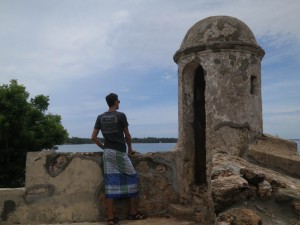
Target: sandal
137 216
113 221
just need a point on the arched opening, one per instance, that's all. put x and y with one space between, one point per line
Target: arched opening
199 126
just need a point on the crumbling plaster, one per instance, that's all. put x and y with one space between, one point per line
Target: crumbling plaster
75 193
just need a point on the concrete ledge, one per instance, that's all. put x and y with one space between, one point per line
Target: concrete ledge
148 221
275 153
277 146
10 199
287 164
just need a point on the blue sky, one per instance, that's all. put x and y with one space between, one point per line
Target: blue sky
78 51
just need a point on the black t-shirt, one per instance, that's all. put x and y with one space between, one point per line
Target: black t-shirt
112 125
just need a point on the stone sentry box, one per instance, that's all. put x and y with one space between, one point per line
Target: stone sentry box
219 94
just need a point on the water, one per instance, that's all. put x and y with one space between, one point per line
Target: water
298 145
139 147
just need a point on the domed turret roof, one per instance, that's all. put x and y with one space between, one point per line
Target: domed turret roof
218 29
218 32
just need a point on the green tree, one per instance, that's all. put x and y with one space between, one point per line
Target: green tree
24 126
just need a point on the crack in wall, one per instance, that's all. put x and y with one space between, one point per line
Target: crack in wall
232 125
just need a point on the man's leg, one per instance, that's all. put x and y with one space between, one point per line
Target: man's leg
132 206
133 213
110 210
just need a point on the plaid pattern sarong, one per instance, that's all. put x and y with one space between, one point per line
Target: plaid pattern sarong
120 178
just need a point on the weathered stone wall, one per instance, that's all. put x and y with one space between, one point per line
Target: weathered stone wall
233 112
267 196
275 153
10 199
59 188
69 188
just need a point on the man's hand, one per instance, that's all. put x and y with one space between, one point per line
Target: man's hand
131 152
95 138
101 145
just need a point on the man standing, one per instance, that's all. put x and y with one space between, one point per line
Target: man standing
120 178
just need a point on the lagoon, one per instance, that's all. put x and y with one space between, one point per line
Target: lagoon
140 147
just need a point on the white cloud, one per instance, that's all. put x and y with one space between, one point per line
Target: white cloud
73 49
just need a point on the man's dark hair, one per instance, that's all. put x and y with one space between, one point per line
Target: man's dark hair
111 98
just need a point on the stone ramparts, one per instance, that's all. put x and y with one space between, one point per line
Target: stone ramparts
69 188
275 153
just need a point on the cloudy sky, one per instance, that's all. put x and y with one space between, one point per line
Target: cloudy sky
78 51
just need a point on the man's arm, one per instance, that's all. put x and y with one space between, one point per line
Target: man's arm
128 140
95 138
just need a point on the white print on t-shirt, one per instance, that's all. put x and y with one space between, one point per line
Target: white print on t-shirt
109 124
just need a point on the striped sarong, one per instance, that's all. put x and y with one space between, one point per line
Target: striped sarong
120 178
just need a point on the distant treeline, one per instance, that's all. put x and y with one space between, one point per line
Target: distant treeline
77 140
154 140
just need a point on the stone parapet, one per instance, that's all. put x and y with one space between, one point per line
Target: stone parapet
10 199
277 154
67 187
